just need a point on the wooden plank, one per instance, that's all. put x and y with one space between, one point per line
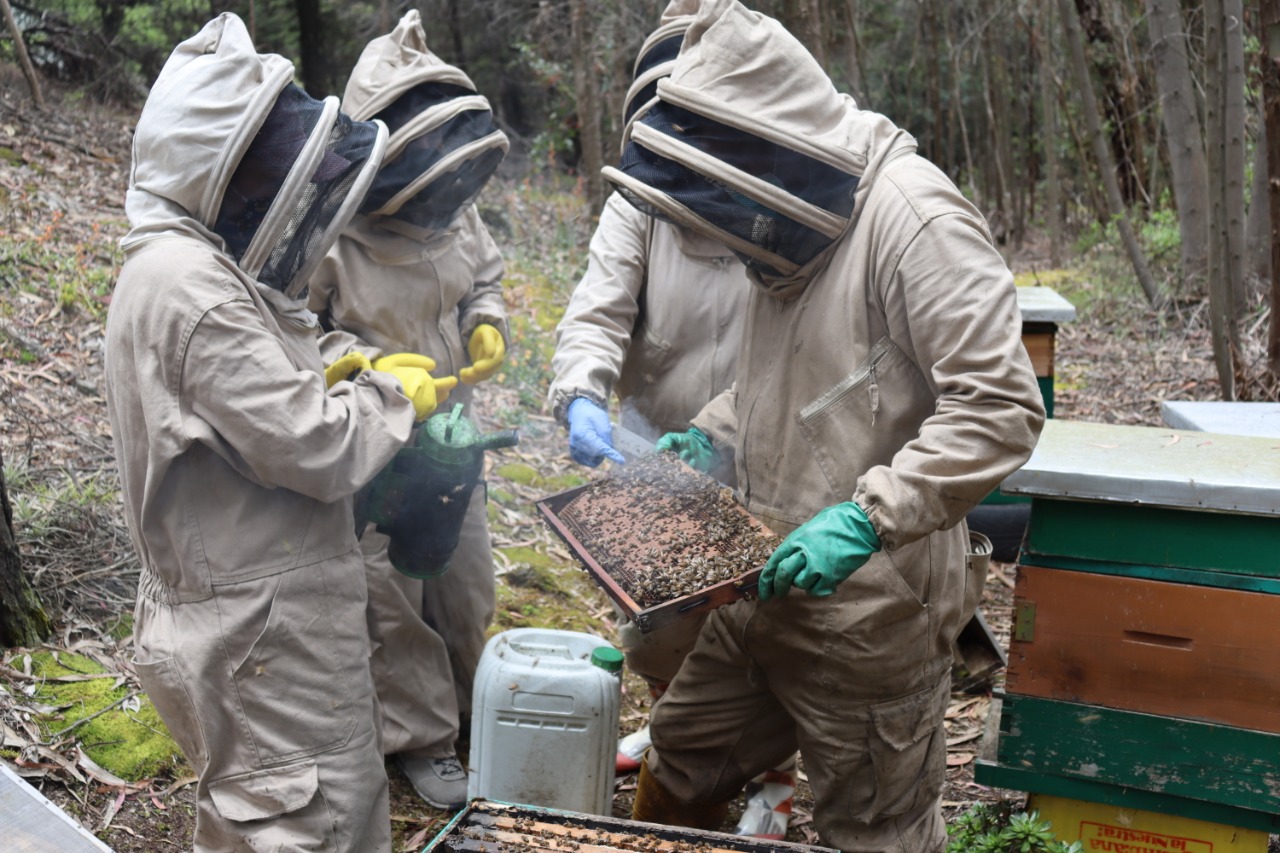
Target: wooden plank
1142 645
1221 580
1185 758
1040 348
1155 536
1099 826
995 775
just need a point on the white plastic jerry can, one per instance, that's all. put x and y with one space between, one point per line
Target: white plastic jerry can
544 720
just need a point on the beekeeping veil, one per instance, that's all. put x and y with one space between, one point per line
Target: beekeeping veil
656 59
749 143
444 145
229 150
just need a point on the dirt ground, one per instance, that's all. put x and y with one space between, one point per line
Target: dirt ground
61 195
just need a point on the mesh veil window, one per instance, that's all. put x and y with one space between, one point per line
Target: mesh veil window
263 168
425 166
305 237
725 207
422 153
662 52
255 187
417 100
437 205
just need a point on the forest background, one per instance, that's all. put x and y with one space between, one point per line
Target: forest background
1119 149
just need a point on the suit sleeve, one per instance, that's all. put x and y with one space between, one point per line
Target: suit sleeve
951 299
593 337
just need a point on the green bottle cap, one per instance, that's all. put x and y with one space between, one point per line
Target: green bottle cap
607 658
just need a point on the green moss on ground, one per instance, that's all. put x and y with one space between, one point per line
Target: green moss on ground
133 744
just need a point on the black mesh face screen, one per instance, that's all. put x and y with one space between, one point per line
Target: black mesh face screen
346 152
264 167
419 98
799 174
725 208
423 152
664 51
448 195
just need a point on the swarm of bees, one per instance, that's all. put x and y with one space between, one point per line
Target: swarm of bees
663 530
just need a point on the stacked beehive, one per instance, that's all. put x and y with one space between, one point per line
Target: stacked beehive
1143 691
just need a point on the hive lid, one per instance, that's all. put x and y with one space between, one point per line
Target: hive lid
1228 418
1044 305
1153 466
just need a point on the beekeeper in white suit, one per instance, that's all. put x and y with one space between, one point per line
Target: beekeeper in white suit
657 319
418 271
237 462
882 391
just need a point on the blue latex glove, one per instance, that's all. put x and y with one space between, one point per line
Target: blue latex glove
693 447
821 553
590 434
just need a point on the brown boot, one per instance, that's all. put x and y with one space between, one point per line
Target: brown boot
655 804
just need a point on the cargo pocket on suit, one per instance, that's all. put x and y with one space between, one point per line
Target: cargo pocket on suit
908 751
297 658
275 809
167 691
869 409
645 363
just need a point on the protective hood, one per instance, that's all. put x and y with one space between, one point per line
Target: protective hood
444 145
656 59
228 150
750 143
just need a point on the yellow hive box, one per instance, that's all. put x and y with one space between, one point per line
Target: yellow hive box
1111 829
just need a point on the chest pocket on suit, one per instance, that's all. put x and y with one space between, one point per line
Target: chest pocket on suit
866 417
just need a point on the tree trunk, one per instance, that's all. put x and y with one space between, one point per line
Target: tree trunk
455 34
1049 139
1171 50
1221 311
1093 118
1257 226
933 85
1118 104
588 103
311 61
23 619
1271 102
811 29
957 111
1233 143
20 48
857 74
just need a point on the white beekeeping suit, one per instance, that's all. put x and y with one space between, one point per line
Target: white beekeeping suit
882 391
237 464
419 272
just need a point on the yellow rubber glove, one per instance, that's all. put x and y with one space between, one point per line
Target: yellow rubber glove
487 353
345 368
423 390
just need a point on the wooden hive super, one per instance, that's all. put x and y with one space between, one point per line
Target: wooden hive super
1142 665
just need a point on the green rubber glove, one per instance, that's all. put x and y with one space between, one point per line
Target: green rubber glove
693 447
821 553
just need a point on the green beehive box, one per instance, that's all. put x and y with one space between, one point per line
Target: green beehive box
1161 513
1153 502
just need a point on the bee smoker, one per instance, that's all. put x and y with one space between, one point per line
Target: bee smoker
421 497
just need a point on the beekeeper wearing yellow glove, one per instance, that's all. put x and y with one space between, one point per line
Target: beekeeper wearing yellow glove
417 272
237 464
